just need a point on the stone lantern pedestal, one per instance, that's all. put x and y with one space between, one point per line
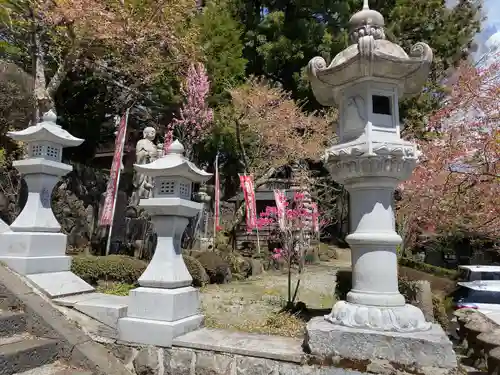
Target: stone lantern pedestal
366 81
166 305
34 245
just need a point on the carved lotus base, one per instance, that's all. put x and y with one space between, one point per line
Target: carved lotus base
407 318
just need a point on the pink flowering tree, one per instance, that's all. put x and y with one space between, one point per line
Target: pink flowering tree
195 116
456 185
294 222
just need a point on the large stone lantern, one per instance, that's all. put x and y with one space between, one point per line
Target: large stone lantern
166 305
366 81
35 246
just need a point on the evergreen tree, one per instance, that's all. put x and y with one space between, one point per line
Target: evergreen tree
222 45
281 36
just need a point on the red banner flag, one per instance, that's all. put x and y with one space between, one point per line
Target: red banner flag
250 206
217 196
114 176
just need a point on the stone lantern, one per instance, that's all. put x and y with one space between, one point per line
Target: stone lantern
35 246
366 81
166 305
204 197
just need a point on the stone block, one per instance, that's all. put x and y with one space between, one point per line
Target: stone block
37 265
178 362
29 253
262 346
147 361
255 366
163 304
60 284
104 308
33 244
156 332
423 295
208 364
430 348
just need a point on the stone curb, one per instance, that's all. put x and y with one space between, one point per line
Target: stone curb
476 337
46 321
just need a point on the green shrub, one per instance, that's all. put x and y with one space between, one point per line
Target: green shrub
326 252
221 240
217 269
124 269
226 248
120 268
408 288
424 267
198 273
440 311
115 288
238 264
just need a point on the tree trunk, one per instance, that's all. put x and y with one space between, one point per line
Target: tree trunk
42 100
44 93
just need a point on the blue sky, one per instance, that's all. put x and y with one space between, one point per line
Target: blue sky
492 12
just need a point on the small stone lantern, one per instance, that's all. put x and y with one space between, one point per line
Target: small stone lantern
366 81
35 246
204 197
166 305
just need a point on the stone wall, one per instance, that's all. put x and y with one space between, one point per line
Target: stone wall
479 340
185 361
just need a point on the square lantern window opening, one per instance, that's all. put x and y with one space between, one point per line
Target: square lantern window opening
45 150
384 109
172 187
166 187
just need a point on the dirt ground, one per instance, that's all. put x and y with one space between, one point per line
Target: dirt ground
251 305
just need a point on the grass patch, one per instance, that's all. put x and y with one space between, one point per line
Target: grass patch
117 289
282 324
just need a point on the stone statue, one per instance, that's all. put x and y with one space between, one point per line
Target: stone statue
145 152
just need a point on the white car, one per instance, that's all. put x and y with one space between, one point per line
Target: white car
479 295
474 273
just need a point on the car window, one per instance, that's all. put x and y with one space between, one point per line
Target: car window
478 296
464 274
489 275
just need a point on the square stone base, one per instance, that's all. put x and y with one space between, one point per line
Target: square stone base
163 304
156 316
427 349
156 332
31 252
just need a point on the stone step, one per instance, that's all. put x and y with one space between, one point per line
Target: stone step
12 322
55 368
104 308
60 284
22 352
247 344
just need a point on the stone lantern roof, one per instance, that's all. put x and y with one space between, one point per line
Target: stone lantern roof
174 164
46 131
370 56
